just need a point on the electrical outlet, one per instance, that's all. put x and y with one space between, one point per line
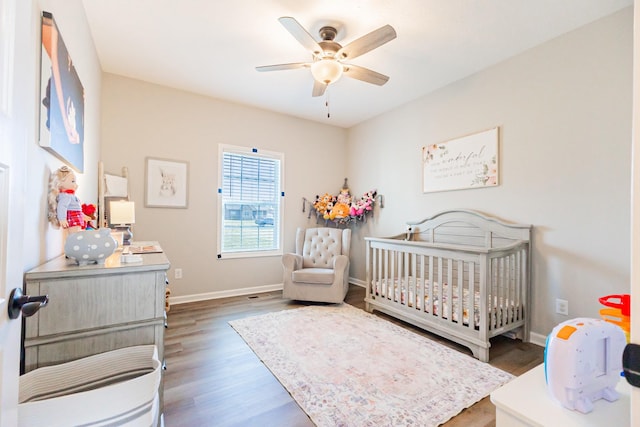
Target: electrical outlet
177 273
562 306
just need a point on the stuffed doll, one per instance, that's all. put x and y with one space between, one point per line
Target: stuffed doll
65 209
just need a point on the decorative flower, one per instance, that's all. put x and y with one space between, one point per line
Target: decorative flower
431 151
488 175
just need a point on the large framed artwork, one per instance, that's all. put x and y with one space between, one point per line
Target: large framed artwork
467 162
166 183
61 99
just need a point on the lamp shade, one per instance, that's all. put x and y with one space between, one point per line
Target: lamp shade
122 212
326 70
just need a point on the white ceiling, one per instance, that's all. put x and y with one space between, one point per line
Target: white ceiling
211 47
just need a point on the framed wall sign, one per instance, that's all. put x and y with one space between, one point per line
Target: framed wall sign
166 183
61 99
467 162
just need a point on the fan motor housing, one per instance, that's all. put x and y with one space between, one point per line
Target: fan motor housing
328 33
329 48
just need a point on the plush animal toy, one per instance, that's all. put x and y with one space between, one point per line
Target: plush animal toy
90 215
339 211
322 203
328 209
344 197
361 207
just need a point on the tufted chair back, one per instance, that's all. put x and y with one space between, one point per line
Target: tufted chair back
319 246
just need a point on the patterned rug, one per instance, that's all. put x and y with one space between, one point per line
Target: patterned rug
346 367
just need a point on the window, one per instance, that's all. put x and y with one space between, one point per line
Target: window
250 200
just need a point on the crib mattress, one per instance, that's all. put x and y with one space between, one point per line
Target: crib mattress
403 293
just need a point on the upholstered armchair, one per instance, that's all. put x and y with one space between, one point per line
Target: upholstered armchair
319 269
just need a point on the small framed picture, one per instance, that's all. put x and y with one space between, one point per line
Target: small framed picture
166 183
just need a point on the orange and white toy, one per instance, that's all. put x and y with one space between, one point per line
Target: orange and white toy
583 362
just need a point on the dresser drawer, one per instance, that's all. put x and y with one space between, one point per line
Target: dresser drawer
93 302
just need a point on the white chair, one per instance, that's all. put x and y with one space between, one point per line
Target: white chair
319 269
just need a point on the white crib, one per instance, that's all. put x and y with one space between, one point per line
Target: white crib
459 274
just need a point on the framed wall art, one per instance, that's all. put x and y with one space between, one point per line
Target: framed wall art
467 162
61 99
166 183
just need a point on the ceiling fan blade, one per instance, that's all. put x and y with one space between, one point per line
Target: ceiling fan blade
318 88
365 74
367 42
301 34
279 67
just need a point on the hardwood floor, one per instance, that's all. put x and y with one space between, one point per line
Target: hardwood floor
214 379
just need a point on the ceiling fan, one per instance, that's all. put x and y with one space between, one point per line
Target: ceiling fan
328 56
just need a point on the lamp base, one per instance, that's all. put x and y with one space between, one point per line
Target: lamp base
126 234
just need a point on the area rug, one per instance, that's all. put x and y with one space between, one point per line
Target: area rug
346 367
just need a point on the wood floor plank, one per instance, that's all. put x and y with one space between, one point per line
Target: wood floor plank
214 379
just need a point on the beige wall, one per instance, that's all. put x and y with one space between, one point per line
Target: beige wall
142 119
564 109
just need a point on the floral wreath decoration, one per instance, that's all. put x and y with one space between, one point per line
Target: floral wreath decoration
342 209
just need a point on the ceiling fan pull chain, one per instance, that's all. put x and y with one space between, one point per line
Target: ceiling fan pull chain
326 103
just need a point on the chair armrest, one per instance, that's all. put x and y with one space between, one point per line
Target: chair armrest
340 263
291 262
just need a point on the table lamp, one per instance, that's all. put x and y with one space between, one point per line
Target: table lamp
122 214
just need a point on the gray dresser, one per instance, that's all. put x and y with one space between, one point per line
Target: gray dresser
95 308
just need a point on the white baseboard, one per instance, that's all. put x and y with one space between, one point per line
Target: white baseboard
538 339
224 294
358 282
239 292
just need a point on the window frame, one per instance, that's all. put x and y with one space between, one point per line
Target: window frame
249 152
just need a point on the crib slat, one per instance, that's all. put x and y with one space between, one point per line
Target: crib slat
504 291
377 272
385 272
510 290
460 296
499 291
449 286
440 290
517 313
420 284
518 278
429 308
513 289
472 295
375 283
485 294
394 277
491 294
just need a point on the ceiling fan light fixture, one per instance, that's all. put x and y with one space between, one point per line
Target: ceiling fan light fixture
326 70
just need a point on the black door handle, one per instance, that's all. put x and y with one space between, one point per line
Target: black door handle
631 364
25 304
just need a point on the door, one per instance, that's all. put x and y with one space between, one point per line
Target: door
9 329
635 207
13 137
